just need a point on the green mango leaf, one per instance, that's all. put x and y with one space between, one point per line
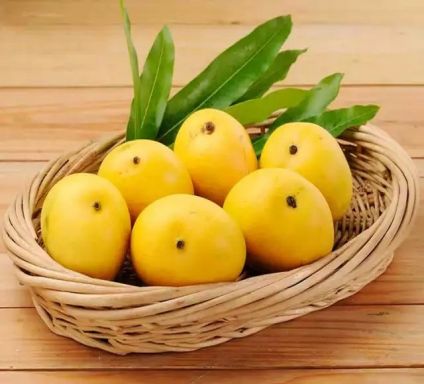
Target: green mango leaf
338 120
134 119
314 103
317 100
276 72
228 77
155 85
257 110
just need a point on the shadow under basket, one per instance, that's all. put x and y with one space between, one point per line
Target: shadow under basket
123 318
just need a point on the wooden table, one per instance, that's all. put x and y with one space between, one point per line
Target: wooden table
64 79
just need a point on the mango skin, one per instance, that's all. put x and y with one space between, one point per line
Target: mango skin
285 219
216 155
144 171
318 157
183 240
85 225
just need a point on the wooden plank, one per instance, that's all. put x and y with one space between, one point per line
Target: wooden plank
13 178
337 337
51 121
45 12
263 376
402 283
13 294
95 55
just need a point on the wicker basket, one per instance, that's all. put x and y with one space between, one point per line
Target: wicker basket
123 318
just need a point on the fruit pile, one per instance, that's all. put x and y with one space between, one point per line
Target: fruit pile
281 215
185 197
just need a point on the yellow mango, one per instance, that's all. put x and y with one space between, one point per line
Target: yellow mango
183 240
311 151
285 219
144 171
217 152
85 225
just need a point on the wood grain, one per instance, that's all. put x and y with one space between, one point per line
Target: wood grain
51 121
95 55
263 376
13 294
71 12
337 337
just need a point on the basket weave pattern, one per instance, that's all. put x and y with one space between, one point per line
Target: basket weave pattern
123 318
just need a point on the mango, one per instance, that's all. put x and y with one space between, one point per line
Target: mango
217 152
285 219
311 151
144 171
85 225
183 240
